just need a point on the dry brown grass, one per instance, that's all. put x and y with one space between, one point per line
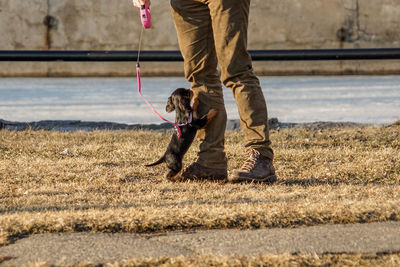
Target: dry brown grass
273 260
95 181
266 260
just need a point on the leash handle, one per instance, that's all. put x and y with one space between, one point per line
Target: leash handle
177 128
145 16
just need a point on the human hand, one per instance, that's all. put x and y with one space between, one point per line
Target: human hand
139 3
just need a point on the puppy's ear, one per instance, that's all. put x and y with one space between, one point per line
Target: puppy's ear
170 105
191 94
182 106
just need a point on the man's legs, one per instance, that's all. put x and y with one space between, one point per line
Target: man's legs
193 23
230 25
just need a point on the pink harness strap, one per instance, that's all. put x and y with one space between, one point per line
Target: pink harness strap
177 127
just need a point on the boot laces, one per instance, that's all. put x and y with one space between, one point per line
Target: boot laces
253 156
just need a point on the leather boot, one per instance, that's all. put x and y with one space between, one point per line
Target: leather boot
256 168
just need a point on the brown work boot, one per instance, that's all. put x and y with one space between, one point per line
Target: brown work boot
257 168
197 172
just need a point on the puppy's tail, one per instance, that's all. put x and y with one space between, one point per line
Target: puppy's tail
161 160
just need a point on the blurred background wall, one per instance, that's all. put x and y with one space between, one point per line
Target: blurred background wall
274 24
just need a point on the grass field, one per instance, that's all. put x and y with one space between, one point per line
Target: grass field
272 260
267 260
95 181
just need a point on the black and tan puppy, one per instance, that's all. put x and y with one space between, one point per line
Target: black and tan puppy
180 102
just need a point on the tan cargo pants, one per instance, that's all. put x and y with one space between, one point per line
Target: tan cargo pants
212 33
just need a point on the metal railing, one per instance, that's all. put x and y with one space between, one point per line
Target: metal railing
164 56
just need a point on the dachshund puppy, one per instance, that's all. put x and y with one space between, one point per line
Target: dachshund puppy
186 117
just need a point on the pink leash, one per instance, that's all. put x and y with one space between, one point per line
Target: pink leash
146 21
176 126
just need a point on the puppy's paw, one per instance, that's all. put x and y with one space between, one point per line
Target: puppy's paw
172 176
211 114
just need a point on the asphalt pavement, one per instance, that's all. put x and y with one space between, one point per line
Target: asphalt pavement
98 248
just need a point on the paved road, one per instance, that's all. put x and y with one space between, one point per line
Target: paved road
103 248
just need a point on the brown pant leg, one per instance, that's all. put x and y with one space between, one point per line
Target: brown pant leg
193 24
230 25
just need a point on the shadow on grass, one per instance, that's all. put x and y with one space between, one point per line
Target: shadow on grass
56 208
308 182
71 206
312 182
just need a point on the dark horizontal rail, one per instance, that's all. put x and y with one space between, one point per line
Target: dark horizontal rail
161 56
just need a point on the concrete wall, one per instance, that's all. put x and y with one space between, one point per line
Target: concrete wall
274 24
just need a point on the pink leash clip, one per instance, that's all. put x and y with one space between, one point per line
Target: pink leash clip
145 16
